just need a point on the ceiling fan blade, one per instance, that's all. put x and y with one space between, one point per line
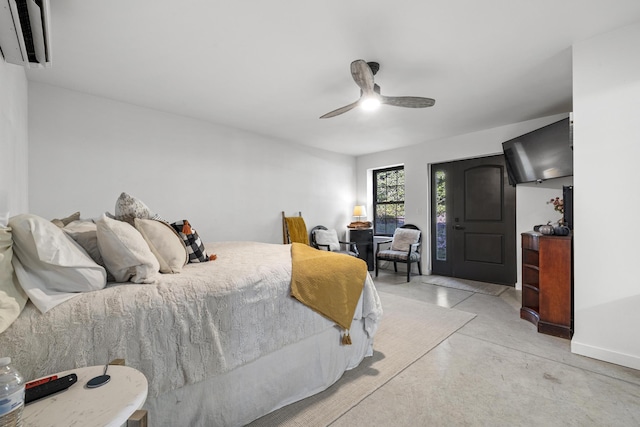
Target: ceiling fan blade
363 76
407 101
341 110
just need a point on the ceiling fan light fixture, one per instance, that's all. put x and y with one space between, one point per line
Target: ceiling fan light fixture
370 98
370 103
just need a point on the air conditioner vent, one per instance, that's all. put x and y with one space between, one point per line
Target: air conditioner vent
24 32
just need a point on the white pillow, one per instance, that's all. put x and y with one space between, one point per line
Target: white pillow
51 267
165 244
12 297
328 237
403 238
125 252
85 233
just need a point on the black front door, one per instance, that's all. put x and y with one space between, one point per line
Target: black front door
473 220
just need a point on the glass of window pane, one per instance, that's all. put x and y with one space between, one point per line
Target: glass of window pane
389 200
441 216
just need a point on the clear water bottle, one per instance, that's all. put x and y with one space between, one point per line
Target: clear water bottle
11 394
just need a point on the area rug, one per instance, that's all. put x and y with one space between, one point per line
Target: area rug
465 285
409 330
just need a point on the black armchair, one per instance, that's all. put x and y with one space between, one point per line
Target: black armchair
405 248
327 240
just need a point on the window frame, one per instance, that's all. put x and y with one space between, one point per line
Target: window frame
376 203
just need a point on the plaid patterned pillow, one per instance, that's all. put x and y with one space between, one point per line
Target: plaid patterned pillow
195 248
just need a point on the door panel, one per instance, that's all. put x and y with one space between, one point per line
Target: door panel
482 193
487 248
477 231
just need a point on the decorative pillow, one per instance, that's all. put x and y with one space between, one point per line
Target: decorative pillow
128 208
195 248
51 267
12 297
85 233
64 221
328 237
403 238
125 252
165 243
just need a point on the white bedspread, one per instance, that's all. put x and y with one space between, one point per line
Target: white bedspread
208 320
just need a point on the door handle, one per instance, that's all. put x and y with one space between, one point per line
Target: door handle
458 227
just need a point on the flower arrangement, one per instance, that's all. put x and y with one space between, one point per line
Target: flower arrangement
558 204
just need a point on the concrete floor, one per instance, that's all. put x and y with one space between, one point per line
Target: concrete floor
497 370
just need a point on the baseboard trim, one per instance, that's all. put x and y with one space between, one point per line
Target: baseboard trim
606 355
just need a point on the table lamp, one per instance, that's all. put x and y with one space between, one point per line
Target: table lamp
359 211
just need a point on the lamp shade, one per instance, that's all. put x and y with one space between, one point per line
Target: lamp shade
359 211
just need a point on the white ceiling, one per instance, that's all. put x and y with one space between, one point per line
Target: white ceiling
273 67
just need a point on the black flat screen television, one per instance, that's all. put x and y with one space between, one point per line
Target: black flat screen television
542 154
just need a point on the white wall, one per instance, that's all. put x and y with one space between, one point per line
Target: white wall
606 88
230 184
13 139
417 158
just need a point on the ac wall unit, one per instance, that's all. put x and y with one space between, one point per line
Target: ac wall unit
24 32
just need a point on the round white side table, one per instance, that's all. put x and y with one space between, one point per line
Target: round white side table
108 405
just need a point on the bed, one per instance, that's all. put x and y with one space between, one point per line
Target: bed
221 343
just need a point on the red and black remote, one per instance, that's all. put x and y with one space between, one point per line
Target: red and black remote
49 387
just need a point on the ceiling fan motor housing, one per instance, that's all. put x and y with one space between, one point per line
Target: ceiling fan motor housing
374 67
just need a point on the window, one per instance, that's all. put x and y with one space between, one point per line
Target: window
388 200
441 214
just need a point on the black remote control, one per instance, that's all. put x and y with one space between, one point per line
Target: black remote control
47 389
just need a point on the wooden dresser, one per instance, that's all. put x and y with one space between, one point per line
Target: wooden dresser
547 283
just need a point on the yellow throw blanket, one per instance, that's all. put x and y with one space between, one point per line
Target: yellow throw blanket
327 282
297 230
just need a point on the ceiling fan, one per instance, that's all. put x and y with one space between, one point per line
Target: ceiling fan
362 73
